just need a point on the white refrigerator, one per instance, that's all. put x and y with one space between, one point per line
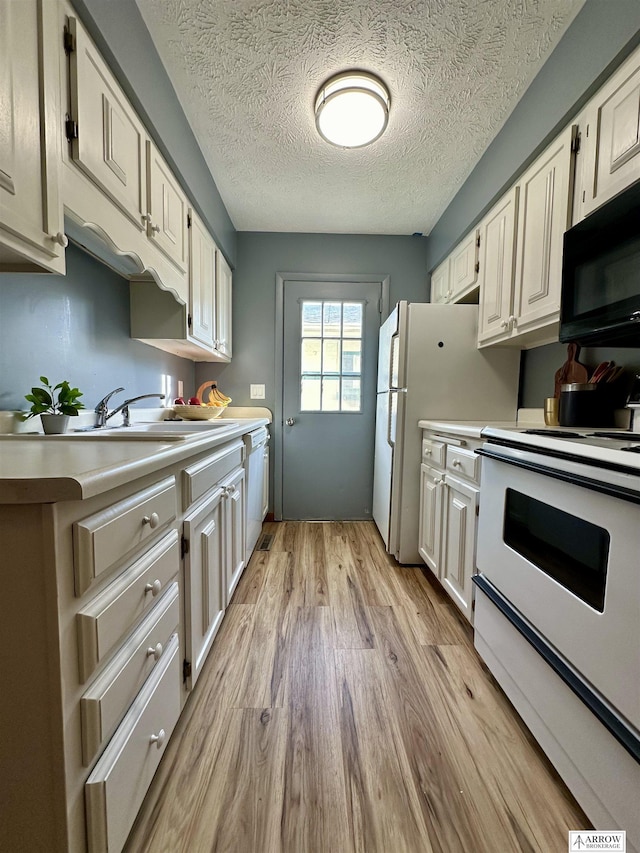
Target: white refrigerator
429 368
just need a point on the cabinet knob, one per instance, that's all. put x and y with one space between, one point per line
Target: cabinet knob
456 463
155 229
155 651
154 588
159 739
504 324
61 239
152 520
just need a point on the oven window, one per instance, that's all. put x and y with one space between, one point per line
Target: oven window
569 549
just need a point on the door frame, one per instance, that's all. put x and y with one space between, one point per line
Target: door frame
282 278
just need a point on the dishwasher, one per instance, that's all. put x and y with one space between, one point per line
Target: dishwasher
256 444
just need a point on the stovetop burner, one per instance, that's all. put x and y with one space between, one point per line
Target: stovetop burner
619 436
634 449
554 433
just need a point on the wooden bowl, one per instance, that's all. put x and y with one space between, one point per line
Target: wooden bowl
198 413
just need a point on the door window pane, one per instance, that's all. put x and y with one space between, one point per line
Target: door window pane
352 323
310 393
331 356
332 319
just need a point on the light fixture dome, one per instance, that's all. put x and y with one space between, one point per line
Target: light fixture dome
352 109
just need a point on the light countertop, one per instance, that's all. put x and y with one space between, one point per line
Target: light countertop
472 429
45 469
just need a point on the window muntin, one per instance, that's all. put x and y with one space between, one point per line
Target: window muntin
331 355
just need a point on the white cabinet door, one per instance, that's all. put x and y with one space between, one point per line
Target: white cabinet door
440 283
544 214
166 210
31 218
431 485
204 533
222 341
202 272
497 268
236 536
464 267
614 135
109 147
458 558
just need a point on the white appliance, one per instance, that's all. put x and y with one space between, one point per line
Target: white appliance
557 616
255 443
429 367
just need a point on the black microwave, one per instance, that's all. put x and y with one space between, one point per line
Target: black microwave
600 302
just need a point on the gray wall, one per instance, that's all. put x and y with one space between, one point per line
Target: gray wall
261 256
119 31
76 327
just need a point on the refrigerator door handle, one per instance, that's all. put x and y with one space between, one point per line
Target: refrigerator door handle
391 417
393 361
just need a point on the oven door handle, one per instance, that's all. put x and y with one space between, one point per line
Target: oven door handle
610 489
582 690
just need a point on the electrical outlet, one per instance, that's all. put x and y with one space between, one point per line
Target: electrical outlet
180 388
257 392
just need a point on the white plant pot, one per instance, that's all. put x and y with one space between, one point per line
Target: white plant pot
54 424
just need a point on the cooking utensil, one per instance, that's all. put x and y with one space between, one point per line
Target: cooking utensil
571 371
600 370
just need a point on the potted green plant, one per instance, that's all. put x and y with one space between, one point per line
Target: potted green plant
54 410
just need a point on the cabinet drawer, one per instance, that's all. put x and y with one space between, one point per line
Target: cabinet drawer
203 475
111 614
433 452
104 704
103 539
115 789
463 461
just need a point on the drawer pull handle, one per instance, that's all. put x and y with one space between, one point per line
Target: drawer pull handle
159 739
155 651
456 463
154 588
427 452
152 520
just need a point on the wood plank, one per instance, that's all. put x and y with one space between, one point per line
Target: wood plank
263 682
314 813
351 622
376 766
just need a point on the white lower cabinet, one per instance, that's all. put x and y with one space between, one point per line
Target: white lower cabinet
204 537
113 621
449 500
116 787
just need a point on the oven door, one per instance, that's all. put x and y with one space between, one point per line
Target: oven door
562 548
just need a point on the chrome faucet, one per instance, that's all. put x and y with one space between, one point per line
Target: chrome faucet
103 414
102 411
124 407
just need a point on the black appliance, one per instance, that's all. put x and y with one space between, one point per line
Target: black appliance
601 275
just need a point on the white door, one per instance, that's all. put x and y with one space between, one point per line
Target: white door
330 343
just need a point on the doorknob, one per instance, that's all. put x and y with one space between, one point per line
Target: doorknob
290 421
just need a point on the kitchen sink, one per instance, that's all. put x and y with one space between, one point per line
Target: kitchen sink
154 431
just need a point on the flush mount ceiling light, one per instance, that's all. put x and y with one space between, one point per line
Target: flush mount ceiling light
352 109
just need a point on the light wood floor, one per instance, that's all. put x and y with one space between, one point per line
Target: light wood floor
343 708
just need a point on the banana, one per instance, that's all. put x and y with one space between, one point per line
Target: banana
217 397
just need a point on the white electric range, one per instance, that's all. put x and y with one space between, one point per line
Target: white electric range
557 616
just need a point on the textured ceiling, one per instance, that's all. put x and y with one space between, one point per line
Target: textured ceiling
247 73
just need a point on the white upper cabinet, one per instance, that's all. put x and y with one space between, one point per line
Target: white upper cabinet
497 266
202 278
108 142
222 343
527 225
610 137
31 219
544 214
166 216
440 283
456 279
